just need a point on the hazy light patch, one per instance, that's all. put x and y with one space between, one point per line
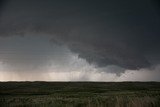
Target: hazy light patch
21 76
82 75
57 76
79 70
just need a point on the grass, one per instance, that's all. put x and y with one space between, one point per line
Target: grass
80 94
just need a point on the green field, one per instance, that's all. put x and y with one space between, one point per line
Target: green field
80 94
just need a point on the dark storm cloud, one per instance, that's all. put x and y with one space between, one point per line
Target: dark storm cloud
122 33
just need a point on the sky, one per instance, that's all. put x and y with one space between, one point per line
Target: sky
79 40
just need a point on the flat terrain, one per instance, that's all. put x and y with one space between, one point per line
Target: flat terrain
80 94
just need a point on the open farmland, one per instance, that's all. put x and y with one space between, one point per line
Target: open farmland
80 94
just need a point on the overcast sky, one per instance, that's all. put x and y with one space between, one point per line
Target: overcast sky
79 40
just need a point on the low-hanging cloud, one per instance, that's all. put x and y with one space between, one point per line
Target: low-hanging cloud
104 33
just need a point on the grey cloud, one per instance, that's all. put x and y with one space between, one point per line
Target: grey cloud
124 33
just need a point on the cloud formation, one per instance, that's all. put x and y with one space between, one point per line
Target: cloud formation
123 34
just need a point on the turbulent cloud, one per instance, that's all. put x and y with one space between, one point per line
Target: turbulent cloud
107 34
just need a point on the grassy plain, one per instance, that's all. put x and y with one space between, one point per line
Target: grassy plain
80 94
